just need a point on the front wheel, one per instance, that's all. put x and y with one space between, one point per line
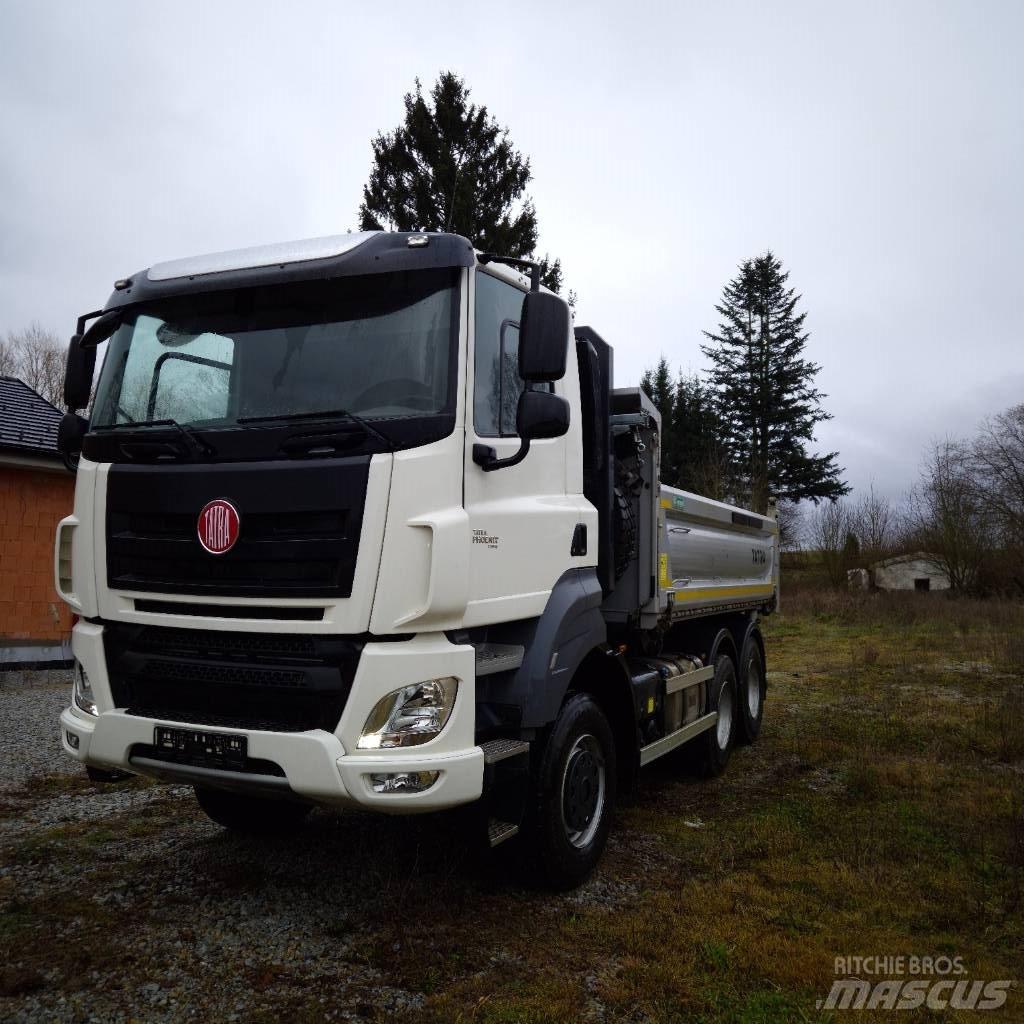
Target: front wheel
575 794
251 815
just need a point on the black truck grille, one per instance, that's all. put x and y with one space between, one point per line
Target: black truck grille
299 528
265 681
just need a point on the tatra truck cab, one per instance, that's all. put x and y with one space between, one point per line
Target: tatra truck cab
362 520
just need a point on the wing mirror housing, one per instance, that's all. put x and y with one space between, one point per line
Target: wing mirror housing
81 361
78 373
543 337
539 414
70 433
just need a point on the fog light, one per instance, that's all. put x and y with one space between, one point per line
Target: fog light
411 715
83 695
73 740
402 782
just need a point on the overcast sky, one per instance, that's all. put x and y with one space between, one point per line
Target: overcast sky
876 148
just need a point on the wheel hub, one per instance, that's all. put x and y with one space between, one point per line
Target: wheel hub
724 717
582 789
753 691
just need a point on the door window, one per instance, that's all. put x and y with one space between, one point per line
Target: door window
497 383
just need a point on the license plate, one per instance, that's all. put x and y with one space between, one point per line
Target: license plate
211 749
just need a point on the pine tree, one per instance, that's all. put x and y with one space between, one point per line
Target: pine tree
702 461
451 167
765 392
692 456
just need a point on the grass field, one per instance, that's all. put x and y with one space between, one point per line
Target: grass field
881 813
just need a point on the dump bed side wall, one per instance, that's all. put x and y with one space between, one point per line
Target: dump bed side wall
714 555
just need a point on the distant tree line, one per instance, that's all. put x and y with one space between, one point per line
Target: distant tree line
965 515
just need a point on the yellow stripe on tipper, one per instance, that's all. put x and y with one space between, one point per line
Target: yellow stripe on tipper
710 593
663 578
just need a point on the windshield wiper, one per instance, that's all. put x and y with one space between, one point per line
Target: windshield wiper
326 414
197 444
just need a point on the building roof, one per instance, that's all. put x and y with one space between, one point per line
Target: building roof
912 556
28 423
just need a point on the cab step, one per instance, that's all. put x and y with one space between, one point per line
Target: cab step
500 749
492 658
499 831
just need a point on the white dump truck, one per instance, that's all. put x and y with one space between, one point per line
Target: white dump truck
363 520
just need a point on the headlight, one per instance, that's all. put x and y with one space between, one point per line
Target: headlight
83 695
411 715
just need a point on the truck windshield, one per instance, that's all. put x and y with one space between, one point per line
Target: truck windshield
381 347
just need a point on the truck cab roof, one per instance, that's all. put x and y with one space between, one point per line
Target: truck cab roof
355 253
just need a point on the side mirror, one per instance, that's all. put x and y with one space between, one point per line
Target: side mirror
69 439
543 337
78 374
539 414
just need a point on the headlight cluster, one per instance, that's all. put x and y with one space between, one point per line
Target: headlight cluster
410 715
82 694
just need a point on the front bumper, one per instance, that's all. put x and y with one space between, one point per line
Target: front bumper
318 765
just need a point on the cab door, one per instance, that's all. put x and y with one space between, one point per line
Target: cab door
522 518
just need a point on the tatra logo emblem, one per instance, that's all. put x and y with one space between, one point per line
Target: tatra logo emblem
218 526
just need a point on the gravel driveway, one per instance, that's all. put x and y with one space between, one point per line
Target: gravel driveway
30 704
123 902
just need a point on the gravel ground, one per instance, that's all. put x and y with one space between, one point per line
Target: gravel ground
123 902
30 704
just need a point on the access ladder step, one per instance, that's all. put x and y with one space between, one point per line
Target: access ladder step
498 750
492 658
499 831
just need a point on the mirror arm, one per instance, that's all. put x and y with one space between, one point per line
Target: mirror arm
531 265
487 458
85 318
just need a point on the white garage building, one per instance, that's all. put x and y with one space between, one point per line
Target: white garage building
917 571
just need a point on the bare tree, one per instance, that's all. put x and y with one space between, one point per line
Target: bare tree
37 357
948 518
874 522
829 530
791 524
997 458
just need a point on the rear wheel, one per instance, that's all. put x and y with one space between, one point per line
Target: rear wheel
575 793
714 745
752 692
251 815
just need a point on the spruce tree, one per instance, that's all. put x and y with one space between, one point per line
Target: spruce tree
451 167
764 388
702 461
660 388
692 456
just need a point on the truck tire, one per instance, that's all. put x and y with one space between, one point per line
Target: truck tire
251 815
575 793
751 693
715 744
624 532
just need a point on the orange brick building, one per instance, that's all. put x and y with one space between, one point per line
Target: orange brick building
36 491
